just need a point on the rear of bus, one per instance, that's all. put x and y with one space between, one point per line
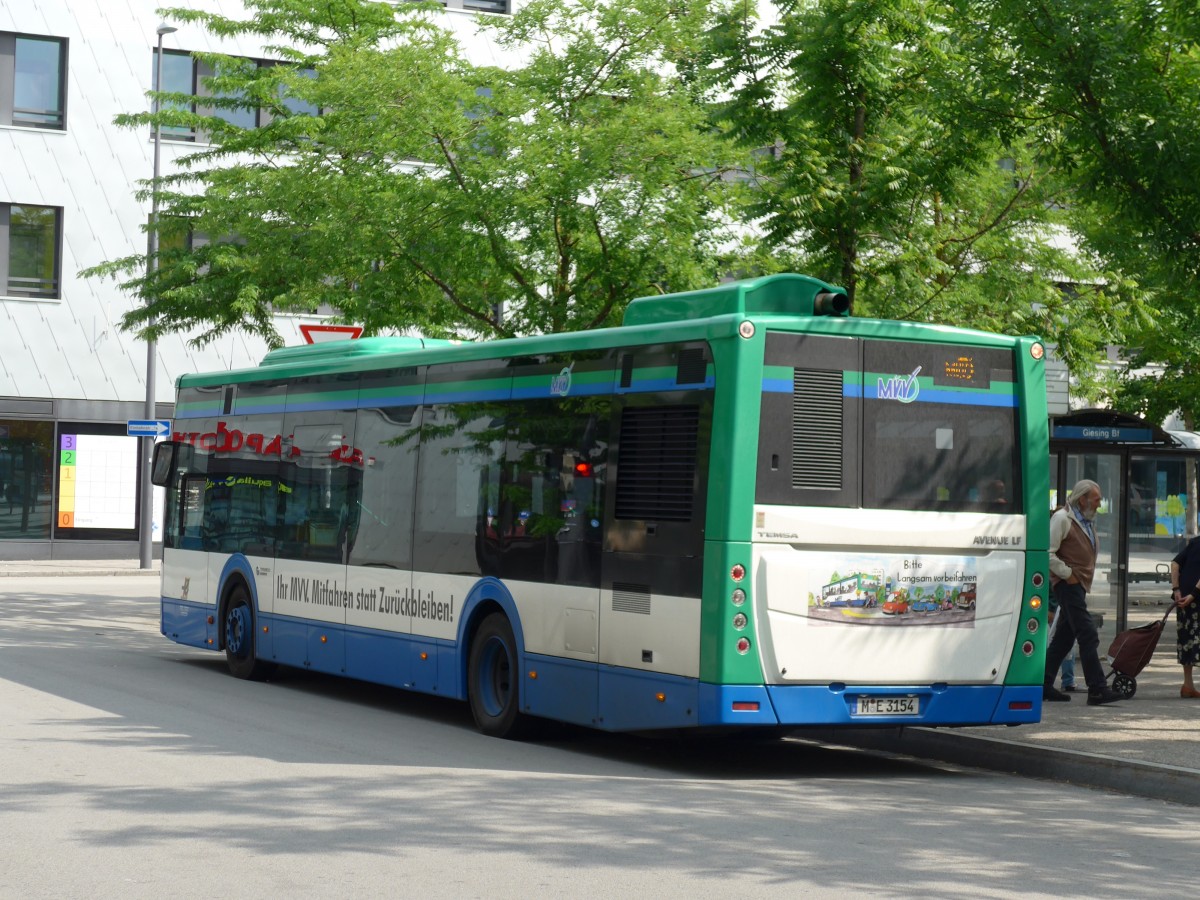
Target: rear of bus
896 567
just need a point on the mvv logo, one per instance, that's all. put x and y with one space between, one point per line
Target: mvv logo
899 387
560 384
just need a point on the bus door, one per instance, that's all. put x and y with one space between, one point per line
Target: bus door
383 482
181 469
318 475
654 529
544 528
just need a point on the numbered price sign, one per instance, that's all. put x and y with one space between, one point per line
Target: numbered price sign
97 481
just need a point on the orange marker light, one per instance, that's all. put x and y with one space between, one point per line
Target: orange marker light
424 655
661 698
1035 602
533 676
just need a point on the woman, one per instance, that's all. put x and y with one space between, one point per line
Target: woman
1185 589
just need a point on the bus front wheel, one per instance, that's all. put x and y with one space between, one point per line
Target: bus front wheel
239 637
493 679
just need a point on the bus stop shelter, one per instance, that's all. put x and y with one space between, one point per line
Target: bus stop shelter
1147 475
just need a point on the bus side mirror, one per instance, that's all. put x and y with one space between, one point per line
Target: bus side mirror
169 455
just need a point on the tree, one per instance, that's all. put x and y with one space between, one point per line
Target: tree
890 171
1115 83
1118 81
404 187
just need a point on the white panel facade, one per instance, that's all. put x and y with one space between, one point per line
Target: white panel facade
72 347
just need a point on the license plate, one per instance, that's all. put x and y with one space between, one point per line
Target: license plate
887 706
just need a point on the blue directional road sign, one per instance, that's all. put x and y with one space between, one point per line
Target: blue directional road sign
148 428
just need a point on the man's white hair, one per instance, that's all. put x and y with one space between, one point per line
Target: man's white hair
1082 488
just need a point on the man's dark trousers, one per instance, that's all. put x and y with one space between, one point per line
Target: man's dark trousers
1075 624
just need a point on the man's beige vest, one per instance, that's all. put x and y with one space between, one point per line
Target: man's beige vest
1076 551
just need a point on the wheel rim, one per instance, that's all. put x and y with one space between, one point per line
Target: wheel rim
495 677
237 629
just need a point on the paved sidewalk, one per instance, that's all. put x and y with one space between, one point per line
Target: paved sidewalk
1147 746
77 567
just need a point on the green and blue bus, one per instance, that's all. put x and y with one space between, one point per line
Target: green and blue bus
625 528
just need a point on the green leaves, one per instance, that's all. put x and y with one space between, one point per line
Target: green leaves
405 187
903 169
1113 84
990 163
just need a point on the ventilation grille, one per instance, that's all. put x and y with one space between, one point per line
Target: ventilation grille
631 598
692 368
657 470
817 430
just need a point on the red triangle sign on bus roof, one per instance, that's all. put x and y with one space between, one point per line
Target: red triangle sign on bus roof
316 334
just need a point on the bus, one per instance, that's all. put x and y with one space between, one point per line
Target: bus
859 589
624 528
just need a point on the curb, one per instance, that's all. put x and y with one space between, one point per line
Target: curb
1141 779
75 573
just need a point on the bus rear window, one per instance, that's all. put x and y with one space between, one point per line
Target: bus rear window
939 428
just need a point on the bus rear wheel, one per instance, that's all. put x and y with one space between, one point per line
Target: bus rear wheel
239 637
493 679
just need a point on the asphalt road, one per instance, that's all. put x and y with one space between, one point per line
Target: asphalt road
131 767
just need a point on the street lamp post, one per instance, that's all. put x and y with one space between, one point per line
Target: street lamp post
146 534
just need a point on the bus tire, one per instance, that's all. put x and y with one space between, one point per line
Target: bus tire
493 679
239 636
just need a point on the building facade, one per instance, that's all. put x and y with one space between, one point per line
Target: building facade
70 379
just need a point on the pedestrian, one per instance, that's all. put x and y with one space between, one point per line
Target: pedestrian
1185 575
1072 566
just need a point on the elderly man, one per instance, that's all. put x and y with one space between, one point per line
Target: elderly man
1072 566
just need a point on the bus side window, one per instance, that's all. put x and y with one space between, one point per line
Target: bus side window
553 492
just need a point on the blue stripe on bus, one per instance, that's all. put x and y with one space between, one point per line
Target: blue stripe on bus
543 392
955 397
657 385
856 391
306 407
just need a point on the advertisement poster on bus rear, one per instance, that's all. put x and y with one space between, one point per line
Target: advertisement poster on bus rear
885 589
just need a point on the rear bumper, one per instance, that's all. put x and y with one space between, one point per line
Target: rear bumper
837 705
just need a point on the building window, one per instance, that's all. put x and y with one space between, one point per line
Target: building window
491 6
30 250
182 74
488 6
179 77
26 477
33 81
